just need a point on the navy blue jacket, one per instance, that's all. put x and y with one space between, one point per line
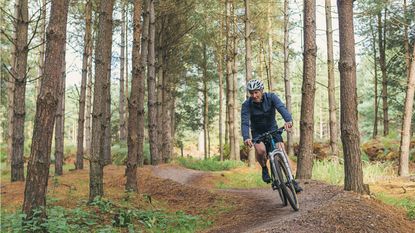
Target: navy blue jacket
261 116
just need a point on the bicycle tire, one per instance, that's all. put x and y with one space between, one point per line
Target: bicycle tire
286 186
275 181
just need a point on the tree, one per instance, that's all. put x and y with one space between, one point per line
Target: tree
19 75
406 122
135 104
353 180
331 81
79 164
152 95
60 124
123 58
382 63
47 101
305 158
102 74
287 81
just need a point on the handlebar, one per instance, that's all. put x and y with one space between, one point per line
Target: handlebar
263 136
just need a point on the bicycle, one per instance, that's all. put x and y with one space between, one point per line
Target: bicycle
281 177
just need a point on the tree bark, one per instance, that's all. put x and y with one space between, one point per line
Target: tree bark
102 63
88 117
122 123
20 77
270 50
42 33
331 81
375 81
353 180
287 80
60 124
79 163
205 103
305 158
382 63
38 167
152 95
135 106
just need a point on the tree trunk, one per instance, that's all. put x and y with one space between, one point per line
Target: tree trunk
205 103
248 67
42 33
167 111
122 133
270 50
60 124
305 158
236 110
287 80
220 75
331 82
135 106
406 122
19 72
107 118
152 95
353 180
79 164
102 63
47 101
375 64
382 62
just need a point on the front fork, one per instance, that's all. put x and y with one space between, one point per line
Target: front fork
282 155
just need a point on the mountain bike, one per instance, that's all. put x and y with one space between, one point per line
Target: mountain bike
281 176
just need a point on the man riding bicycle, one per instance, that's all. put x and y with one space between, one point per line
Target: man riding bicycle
258 113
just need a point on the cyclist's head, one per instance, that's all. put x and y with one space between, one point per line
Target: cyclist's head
254 84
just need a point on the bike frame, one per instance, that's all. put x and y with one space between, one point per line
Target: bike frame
281 154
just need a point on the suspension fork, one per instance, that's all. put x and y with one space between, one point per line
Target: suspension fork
281 154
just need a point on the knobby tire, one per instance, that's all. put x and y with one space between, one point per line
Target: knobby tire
286 187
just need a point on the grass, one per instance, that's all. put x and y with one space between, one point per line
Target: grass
407 203
333 172
212 164
103 215
242 180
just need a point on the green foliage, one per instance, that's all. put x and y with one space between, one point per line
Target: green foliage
87 218
211 164
119 152
407 203
252 179
333 172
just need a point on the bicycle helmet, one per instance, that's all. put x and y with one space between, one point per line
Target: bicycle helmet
254 84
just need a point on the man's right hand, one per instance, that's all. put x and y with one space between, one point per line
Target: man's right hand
248 142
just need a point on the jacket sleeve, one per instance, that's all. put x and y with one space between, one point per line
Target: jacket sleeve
279 105
245 120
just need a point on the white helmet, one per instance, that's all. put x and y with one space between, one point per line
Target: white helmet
254 84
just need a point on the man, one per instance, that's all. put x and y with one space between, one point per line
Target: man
258 113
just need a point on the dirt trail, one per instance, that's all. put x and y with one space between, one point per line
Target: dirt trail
323 208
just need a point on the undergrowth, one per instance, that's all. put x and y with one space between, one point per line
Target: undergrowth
211 164
102 216
407 203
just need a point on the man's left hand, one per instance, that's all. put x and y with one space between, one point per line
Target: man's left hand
288 126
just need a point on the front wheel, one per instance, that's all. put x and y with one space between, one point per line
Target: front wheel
286 185
276 185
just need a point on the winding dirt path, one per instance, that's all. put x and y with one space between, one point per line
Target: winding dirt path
323 208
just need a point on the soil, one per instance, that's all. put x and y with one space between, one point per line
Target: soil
323 207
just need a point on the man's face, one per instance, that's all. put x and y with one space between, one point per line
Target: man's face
256 95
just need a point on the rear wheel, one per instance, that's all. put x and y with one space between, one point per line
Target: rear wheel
286 186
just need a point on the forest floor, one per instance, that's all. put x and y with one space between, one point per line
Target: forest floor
323 207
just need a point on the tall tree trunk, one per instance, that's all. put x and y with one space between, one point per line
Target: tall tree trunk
88 117
122 133
287 80
406 122
42 33
270 50
60 124
47 101
102 63
375 64
305 158
126 59
79 164
152 95
248 67
159 90
19 71
382 62
236 138
107 118
167 124
406 40
331 81
228 51
205 103
220 75
135 106
353 179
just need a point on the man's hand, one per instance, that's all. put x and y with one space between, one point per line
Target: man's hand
288 126
248 142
